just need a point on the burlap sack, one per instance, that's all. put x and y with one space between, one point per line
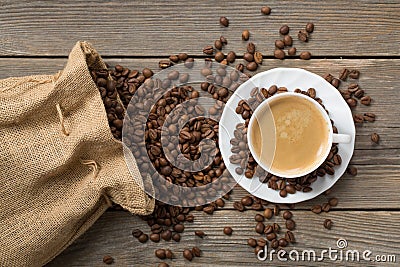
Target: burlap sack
60 167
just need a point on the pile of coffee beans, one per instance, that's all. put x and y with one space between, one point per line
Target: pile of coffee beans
246 164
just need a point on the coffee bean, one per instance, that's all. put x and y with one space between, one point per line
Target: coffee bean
328 77
303 36
317 209
328 224
289 236
259 218
231 57
248 57
196 251
160 253
375 138
176 237
224 21
305 55
276 228
147 72
258 57
354 74
311 92
333 202
245 35
266 10
268 229
370 117
310 27
208 50
352 102
279 44
166 235
335 82
252 242
246 201
277 209
337 159
268 213
283 242
344 73
292 51
352 170
136 233
251 66
287 215
187 254
261 242
239 67
271 236
287 40
259 227
284 29
223 40
251 48
290 189
199 233
290 224
283 193
218 44
174 58
274 244
108 259
228 230
143 238
219 56
163 64
258 249
366 100
209 209
179 228
220 202
155 238
326 207
279 54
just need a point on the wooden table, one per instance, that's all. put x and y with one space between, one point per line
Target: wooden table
35 38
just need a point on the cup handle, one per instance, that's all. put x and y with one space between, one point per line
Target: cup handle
341 138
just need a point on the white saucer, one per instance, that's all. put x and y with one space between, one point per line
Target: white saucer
291 78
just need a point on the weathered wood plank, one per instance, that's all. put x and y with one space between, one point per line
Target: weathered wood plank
111 235
141 28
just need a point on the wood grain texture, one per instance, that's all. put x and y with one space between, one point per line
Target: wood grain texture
111 235
140 28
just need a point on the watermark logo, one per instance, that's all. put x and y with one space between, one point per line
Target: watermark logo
340 253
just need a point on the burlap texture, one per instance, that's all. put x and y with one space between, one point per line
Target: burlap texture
59 163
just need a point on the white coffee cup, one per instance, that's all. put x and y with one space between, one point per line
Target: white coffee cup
331 137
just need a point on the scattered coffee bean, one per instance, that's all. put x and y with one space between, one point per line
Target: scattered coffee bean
259 227
333 202
224 21
108 259
283 242
335 82
223 40
259 218
155 237
326 207
375 138
166 235
352 170
354 74
292 51
176 237
246 201
174 58
251 66
303 36
310 27
344 73
366 100
196 251
228 230
287 215
328 224
248 57
305 55
271 236
261 242
289 236
231 57
287 40
351 102
218 44
279 44
238 206
252 242
277 209
279 54
266 10
143 238
284 29
187 254
251 48
179 228
219 56
245 35
274 244
169 254
258 57
268 229
136 233
290 224
370 117
316 209
199 233
208 50
268 213
163 64
358 118
160 253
